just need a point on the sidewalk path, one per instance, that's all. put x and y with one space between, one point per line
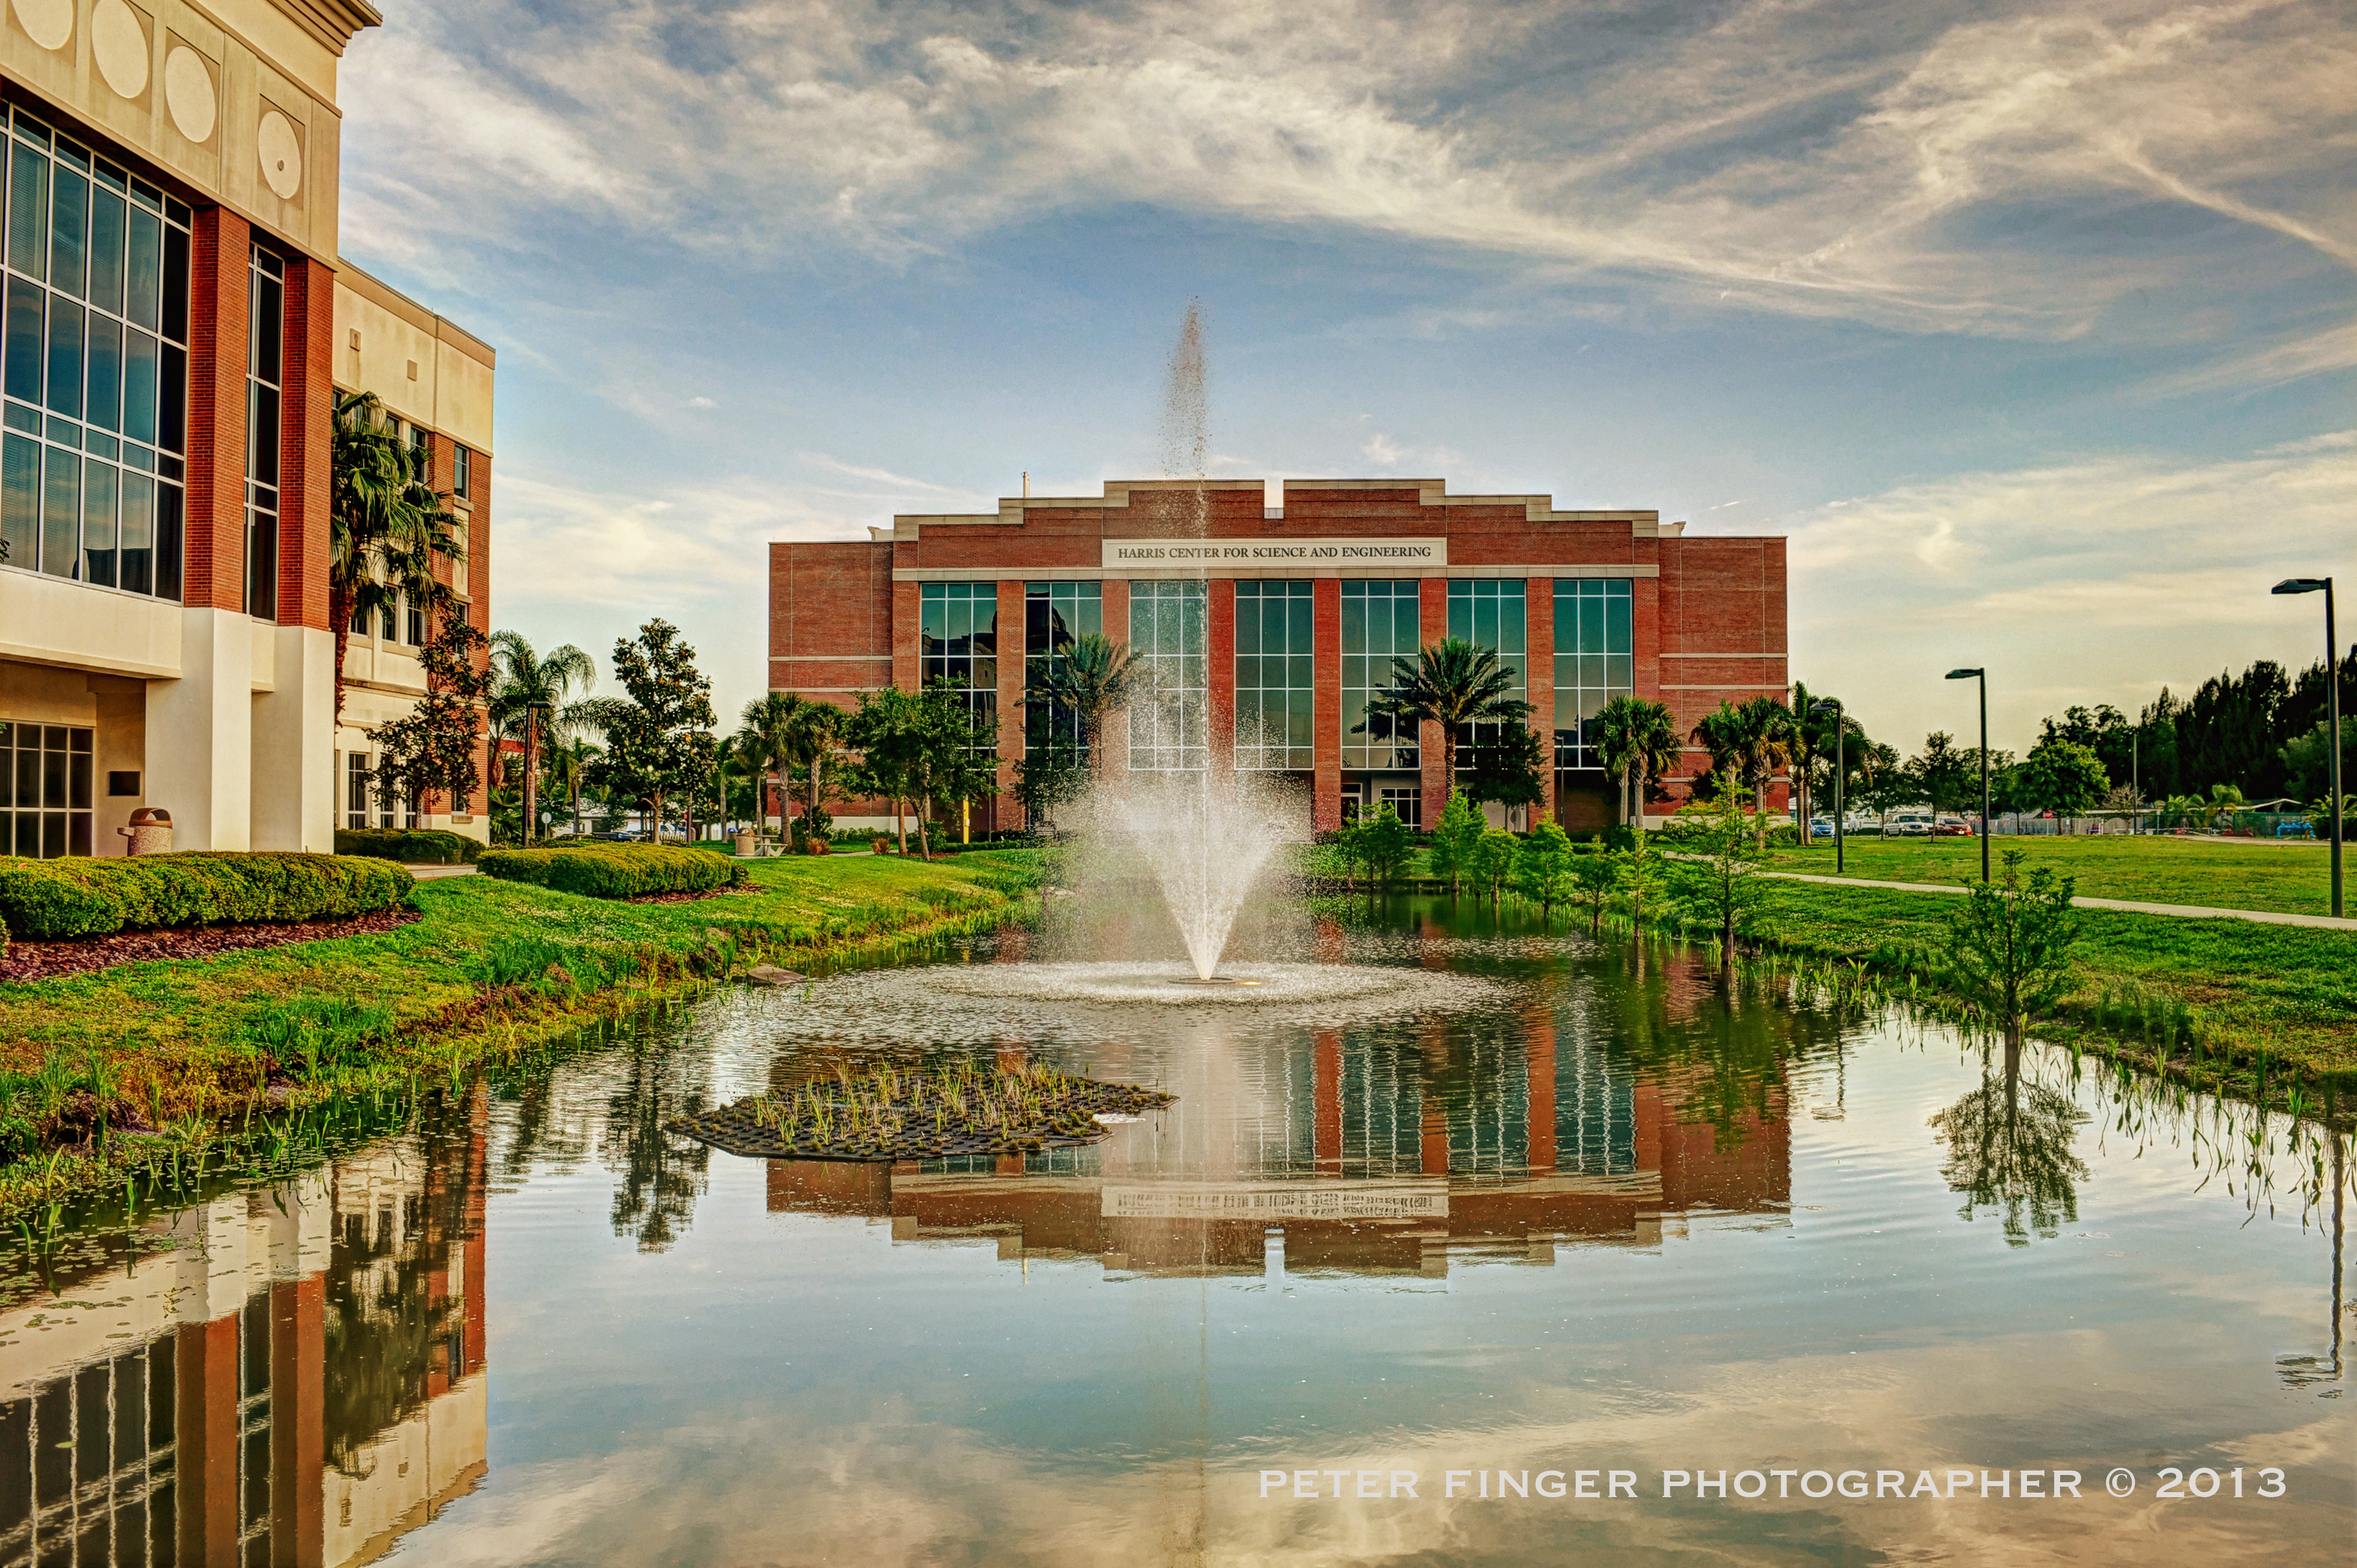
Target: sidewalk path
430 872
2183 911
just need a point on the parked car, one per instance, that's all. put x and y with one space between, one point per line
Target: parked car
1821 827
1911 824
1956 828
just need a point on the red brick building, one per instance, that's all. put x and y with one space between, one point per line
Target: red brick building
1265 628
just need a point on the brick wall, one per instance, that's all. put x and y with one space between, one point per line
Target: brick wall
220 315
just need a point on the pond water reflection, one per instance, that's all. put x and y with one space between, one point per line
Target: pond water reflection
1581 1213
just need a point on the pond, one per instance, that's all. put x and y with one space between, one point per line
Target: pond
1527 1249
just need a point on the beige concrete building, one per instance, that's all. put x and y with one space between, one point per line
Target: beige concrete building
175 327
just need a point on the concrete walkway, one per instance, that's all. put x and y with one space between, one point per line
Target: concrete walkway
431 872
2181 911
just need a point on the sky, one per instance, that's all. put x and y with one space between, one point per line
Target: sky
2031 327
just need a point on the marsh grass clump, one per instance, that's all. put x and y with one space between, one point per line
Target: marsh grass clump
895 1112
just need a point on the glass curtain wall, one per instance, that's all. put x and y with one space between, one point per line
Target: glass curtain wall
1492 613
1594 661
1169 726
957 641
1274 677
45 785
1379 624
96 367
265 371
1056 615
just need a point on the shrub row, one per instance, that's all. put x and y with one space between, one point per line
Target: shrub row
615 870
416 846
49 900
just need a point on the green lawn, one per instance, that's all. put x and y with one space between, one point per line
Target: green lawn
2289 991
2291 878
491 969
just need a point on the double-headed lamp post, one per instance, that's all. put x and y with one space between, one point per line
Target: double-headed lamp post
1833 705
1982 676
2332 701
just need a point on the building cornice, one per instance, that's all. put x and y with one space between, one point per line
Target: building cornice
332 23
1013 510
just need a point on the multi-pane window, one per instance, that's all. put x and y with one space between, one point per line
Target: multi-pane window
1379 624
1169 720
265 370
1594 660
1056 615
356 789
957 640
462 472
413 615
45 782
87 1458
96 367
1492 613
1274 685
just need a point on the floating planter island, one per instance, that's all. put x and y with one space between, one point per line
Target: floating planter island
893 1112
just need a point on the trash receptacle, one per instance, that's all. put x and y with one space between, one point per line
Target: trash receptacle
744 845
150 832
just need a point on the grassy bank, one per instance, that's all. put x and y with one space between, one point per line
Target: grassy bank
2290 878
2219 1002
190 1049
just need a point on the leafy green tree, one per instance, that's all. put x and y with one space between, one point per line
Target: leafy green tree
2015 1158
2308 761
1085 683
659 740
1944 776
2063 777
2009 944
1454 684
1493 862
1050 774
1507 766
1719 881
1637 741
1640 874
1886 782
1453 837
1594 877
1387 844
889 731
432 748
387 526
958 763
2103 729
1542 868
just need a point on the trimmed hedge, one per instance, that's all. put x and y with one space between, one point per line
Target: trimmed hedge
615 870
51 900
416 846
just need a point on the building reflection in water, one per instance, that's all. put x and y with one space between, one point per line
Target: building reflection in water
1343 1154
297 1380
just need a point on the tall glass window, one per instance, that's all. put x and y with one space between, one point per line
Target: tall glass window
1379 624
1493 613
95 366
1055 615
1594 661
45 785
265 370
957 639
1168 724
1273 675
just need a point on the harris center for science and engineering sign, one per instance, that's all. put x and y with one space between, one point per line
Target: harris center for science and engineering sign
1278 555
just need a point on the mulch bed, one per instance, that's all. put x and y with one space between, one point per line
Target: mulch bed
54 961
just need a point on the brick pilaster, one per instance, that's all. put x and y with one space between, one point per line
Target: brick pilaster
1219 671
219 258
1433 743
1325 703
306 420
1538 594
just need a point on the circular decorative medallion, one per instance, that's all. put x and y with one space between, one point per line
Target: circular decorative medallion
49 23
188 94
119 43
282 155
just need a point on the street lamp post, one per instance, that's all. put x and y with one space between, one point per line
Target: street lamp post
1833 705
2333 701
1982 676
532 711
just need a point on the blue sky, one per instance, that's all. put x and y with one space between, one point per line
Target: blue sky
2034 328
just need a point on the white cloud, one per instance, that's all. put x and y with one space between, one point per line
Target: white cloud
1780 155
2097 581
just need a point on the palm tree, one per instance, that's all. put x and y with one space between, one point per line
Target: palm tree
1814 741
1452 683
567 765
526 684
1639 742
1749 745
387 524
1091 678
